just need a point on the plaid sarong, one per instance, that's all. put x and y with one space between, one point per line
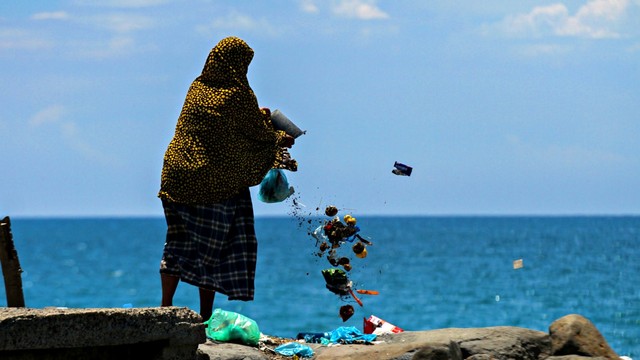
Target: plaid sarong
212 246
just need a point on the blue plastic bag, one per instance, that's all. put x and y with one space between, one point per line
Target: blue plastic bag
228 326
294 348
274 187
349 335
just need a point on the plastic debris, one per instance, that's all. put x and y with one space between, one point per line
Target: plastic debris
337 281
517 264
368 292
341 335
275 187
313 337
294 349
375 325
230 326
350 335
402 169
346 312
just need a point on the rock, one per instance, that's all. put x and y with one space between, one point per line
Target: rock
496 342
165 333
450 352
229 351
575 335
178 333
575 357
505 342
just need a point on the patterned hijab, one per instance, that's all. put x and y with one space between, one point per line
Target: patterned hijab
223 142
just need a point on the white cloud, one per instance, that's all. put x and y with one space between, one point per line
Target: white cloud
114 47
309 6
121 23
17 39
53 118
56 15
596 19
360 9
51 114
237 21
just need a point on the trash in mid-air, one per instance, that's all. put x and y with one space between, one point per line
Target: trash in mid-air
346 312
402 169
518 264
368 292
330 236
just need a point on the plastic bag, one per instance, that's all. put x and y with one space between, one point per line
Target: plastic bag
228 326
349 335
294 348
274 187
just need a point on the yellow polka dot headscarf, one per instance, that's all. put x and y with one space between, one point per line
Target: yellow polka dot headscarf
223 142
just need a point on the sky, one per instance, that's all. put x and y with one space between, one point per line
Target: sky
501 107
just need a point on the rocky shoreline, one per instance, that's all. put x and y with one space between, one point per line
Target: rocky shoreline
572 337
173 333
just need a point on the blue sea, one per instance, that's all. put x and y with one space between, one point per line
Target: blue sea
431 272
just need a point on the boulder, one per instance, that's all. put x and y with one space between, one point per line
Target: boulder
439 352
163 333
229 351
575 335
506 342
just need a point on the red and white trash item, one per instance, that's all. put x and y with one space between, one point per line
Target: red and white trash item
375 325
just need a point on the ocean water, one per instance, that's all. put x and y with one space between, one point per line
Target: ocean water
431 272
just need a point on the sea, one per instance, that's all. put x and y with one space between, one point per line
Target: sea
430 272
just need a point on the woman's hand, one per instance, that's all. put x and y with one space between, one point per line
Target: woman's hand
288 141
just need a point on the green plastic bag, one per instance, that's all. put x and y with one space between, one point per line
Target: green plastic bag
228 326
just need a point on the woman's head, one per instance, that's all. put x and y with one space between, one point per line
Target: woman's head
228 61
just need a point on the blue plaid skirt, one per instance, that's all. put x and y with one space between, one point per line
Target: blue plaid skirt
213 247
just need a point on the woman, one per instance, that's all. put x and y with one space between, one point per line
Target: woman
223 144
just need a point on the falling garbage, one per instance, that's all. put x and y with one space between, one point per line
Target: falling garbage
368 292
517 264
331 236
337 281
402 169
346 312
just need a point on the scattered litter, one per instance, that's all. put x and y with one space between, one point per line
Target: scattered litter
313 337
517 264
402 169
375 325
294 349
341 335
